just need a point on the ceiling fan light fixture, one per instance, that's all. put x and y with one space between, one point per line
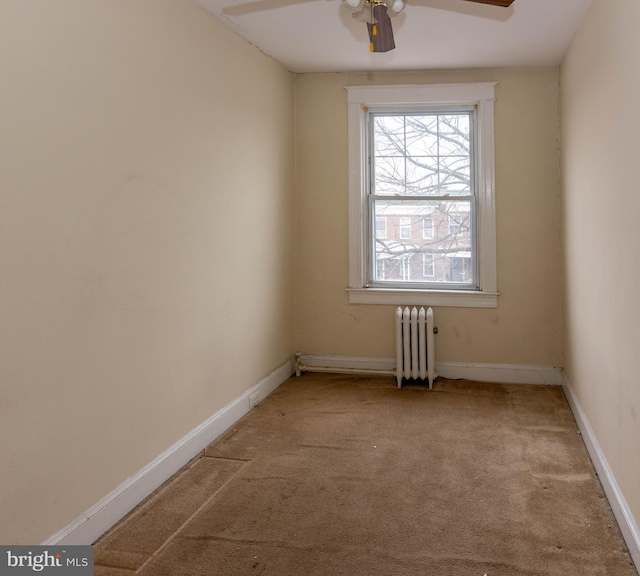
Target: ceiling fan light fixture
376 13
362 13
397 6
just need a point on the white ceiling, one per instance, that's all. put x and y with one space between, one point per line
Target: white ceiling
322 36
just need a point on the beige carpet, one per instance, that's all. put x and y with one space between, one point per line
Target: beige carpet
336 475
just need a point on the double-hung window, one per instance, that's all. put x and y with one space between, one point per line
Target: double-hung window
421 158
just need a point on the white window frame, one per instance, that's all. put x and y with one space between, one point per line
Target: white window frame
379 233
479 95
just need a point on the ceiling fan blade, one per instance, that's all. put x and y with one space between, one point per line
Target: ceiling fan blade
503 3
259 6
380 31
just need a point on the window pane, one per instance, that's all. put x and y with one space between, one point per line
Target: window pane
424 154
460 268
389 135
422 135
422 175
428 268
453 131
455 173
424 241
427 228
390 175
405 228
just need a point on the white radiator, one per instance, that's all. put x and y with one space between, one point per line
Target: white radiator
415 348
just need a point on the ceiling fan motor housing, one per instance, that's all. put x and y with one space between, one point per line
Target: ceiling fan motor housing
380 30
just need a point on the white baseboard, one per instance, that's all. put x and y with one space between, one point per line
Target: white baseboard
95 521
619 506
504 373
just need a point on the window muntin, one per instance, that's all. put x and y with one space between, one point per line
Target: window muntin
422 181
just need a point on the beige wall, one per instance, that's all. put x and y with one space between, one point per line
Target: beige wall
145 147
146 241
526 328
600 142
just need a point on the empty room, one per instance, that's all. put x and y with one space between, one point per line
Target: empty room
320 287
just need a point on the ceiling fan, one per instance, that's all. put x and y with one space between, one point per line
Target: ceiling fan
377 14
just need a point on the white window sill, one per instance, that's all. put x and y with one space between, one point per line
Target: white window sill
398 297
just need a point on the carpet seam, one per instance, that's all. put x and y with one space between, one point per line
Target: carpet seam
243 460
166 543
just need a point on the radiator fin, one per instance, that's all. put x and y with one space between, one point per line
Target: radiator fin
415 345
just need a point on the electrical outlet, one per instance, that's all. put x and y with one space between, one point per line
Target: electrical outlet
253 399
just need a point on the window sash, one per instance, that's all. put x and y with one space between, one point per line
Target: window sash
372 114
404 281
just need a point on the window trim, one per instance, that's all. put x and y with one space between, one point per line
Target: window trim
359 99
